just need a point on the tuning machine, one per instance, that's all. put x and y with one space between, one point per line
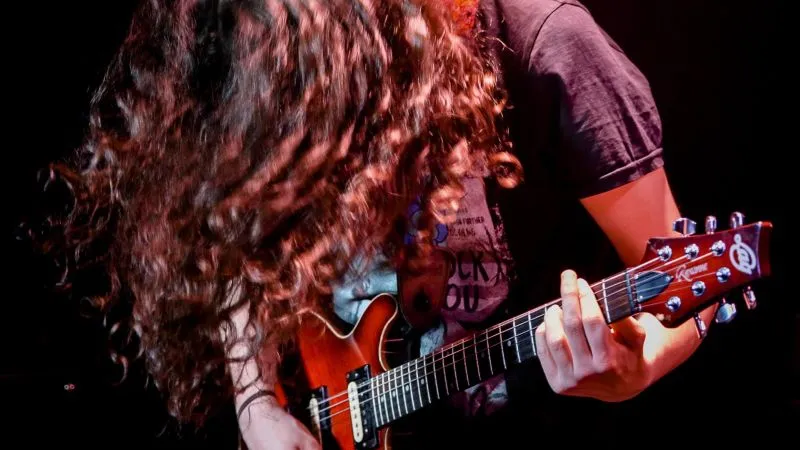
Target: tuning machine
736 220
726 312
711 225
702 329
749 297
684 226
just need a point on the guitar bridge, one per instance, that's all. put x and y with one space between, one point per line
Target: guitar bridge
362 415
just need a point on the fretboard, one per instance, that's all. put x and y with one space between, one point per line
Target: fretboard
470 361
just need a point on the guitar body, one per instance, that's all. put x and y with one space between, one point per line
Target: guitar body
325 357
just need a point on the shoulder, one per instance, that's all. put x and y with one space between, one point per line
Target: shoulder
531 27
572 25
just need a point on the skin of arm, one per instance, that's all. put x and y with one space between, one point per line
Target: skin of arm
580 354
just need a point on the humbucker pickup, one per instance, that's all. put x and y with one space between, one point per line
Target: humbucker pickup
362 415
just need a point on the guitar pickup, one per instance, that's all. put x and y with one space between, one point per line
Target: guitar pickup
362 415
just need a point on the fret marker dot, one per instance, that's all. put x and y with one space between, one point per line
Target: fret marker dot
407 388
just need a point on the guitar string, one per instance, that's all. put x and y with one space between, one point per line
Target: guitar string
525 340
546 305
618 301
525 334
483 339
401 382
443 367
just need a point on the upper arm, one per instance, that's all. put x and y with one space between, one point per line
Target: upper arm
635 212
609 131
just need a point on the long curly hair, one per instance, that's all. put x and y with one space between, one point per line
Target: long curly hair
242 153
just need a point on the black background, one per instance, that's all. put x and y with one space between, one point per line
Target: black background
720 74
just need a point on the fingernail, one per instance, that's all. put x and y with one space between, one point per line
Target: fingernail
568 275
583 286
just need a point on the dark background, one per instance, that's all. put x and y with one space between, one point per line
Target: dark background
720 74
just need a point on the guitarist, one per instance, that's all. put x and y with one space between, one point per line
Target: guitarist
584 123
242 153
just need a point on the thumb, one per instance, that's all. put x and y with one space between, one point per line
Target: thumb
629 332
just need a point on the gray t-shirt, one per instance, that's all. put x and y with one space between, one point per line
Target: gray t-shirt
583 121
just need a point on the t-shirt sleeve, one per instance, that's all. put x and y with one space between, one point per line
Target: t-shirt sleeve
609 125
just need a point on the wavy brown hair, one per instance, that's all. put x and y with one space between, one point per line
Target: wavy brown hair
257 147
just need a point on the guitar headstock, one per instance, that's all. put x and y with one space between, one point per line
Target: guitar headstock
680 276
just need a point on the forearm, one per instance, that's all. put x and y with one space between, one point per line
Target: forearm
242 366
263 422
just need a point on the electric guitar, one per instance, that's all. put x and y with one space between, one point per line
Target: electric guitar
349 397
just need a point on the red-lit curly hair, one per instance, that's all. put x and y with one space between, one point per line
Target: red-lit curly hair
257 146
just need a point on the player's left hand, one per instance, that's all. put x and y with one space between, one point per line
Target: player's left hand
582 356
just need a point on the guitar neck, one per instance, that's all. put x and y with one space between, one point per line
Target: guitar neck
470 361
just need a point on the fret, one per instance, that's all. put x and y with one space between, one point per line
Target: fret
605 301
472 361
533 340
464 358
375 410
435 378
420 381
392 394
502 346
477 360
524 345
387 402
385 399
382 395
514 336
629 289
424 377
460 366
398 390
440 360
409 387
387 382
453 368
488 351
398 384
511 345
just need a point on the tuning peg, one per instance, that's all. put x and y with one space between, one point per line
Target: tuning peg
684 226
726 312
737 220
702 329
711 224
749 297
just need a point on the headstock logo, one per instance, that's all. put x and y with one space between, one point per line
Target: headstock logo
742 256
686 274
